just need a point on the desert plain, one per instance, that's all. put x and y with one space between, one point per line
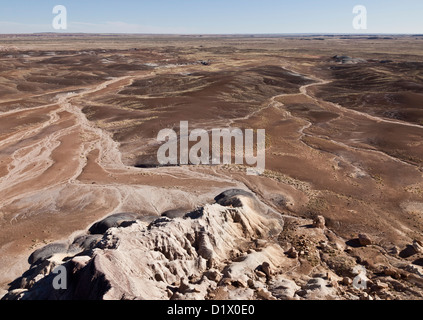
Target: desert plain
80 114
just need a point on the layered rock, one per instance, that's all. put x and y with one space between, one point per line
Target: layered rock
149 261
235 248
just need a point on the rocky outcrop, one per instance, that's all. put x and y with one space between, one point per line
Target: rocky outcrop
235 248
145 261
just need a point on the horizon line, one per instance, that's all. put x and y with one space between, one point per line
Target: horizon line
217 34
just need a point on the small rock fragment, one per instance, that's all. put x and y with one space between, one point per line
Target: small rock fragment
365 296
184 287
394 250
264 294
379 286
213 275
239 284
390 272
347 281
417 246
292 253
265 267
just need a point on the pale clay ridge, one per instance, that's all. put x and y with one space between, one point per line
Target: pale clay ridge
142 262
225 250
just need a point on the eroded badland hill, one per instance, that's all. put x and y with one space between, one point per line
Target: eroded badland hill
79 118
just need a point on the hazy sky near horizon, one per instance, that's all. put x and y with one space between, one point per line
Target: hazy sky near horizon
212 16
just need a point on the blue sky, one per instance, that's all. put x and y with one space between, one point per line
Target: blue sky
212 16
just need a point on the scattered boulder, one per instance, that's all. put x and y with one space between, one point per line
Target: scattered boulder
239 284
213 275
379 286
319 222
391 272
265 267
225 282
260 274
292 253
364 239
265 295
221 251
415 248
394 250
365 296
347 281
